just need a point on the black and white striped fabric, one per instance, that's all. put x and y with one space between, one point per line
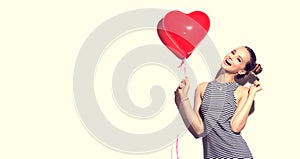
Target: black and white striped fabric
217 108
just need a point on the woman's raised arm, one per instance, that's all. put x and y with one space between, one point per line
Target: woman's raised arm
190 116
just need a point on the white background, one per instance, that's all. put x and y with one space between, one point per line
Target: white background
40 41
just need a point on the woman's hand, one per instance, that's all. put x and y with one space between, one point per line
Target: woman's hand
182 91
255 87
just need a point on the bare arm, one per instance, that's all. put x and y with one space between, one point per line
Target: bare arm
190 116
241 113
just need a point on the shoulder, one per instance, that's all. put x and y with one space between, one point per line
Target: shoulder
241 92
201 88
242 89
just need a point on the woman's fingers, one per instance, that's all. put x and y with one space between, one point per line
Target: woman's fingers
182 84
183 87
256 83
256 86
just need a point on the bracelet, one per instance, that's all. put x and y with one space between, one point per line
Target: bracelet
184 99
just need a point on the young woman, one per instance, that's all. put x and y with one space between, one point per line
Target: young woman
221 107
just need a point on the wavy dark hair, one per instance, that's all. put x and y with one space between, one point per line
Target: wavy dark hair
252 63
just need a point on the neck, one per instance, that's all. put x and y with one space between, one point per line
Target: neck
225 77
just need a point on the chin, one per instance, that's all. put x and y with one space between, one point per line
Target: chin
225 67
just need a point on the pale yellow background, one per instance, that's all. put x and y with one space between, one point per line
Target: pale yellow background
40 41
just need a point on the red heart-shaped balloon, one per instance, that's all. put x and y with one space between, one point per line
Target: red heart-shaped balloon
181 32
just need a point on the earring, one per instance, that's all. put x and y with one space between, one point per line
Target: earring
240 73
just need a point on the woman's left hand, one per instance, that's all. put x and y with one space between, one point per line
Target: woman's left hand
255 87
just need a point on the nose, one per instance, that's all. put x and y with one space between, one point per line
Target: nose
231 57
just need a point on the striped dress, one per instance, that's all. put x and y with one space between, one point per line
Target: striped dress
217 108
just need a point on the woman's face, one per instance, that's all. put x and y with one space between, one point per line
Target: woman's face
236 60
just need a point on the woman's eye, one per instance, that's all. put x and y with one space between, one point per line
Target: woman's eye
232 52
239 60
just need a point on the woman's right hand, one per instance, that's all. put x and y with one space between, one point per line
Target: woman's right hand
182 91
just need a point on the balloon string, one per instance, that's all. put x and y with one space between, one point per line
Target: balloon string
184 68
183 63
177 147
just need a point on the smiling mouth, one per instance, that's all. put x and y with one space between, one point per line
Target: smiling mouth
227 62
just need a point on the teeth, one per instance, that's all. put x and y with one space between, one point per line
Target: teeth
227 61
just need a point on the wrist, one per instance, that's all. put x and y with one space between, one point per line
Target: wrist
251 94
